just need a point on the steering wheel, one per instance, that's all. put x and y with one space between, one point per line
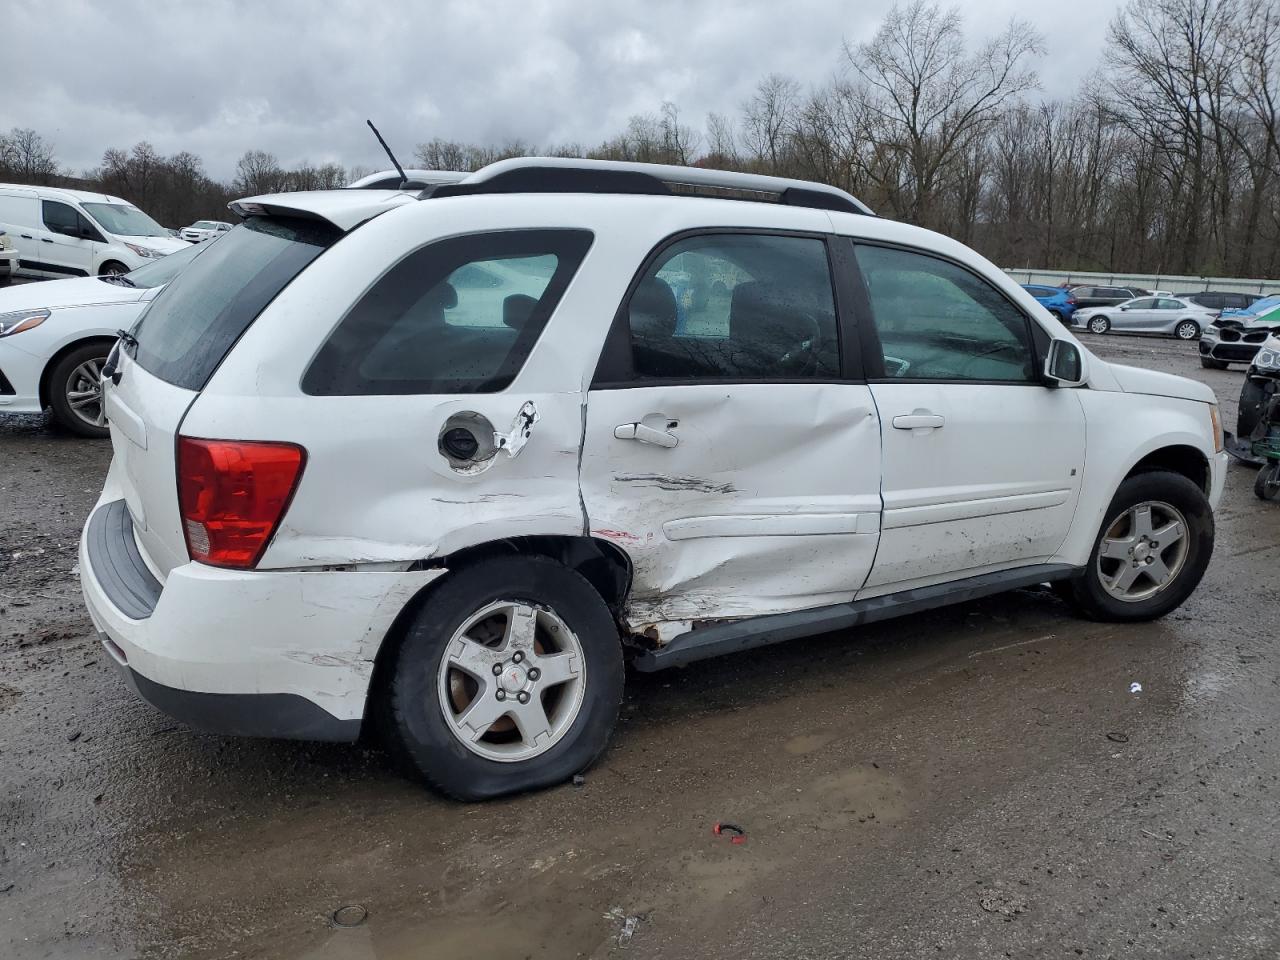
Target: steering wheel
802 359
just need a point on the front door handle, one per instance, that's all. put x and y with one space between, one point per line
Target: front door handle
645 434
45 240
918 420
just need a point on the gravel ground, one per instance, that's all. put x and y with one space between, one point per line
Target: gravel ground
974 782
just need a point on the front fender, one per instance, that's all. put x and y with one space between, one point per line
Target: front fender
1121 430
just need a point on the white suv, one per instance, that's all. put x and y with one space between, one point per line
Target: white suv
443 463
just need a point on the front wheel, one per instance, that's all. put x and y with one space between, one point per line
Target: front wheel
1187 330
1267 483
1099 324
1153 548
509 678
75 391
112 268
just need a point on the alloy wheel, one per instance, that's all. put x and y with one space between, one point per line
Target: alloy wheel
1187 330
511 681
1098 325
1143 551
84 392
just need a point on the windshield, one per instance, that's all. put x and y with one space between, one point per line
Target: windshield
159 272
124 221
203 225
195 320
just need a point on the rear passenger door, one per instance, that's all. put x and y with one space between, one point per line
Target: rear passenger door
982 461
732 449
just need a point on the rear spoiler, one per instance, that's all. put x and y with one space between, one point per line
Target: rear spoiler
344 209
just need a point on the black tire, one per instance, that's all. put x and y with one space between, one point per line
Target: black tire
1209 363
59 382
1187 330
112 267
1266 485
1057 316
1156 485
414 716
1099 325
1253 396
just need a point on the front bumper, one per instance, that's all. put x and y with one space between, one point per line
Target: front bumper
251 653
1217 477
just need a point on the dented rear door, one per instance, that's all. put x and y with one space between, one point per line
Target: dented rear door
726 450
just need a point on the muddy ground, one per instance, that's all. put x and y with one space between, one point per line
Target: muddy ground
975 782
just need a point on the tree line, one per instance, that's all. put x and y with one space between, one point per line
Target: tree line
1165 160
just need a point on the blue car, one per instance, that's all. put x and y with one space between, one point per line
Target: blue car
1056 300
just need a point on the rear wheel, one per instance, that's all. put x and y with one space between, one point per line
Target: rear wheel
1209 363
1187 330
1057 315
1151 552
75 390
509 678
1099 324
1267 483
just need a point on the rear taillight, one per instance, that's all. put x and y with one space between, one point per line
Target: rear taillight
232 494
1071 301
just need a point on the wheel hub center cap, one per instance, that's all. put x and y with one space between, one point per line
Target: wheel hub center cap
512 679
1141 551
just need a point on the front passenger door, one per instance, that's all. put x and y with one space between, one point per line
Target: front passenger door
982 460
66 247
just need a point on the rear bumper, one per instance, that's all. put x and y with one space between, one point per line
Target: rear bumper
251 653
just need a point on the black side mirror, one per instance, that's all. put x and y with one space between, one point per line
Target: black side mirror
1065 364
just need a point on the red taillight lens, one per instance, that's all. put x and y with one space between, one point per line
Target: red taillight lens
1071 300
232 495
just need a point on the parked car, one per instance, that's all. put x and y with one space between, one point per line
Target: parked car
1260 383
1091 296
71 233
203 230
417 180
1168 315
1058 301
331 502
1222 299
55 337
8 258
1237 335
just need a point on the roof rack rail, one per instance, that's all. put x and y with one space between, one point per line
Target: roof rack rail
565 175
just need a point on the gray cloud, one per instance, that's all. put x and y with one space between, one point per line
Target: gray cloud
298 79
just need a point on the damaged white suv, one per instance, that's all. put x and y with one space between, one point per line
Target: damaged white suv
443 463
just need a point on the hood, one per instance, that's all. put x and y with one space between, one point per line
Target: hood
74 292
1138 380
163 244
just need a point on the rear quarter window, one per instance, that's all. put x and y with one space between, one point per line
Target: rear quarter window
457 316
193 323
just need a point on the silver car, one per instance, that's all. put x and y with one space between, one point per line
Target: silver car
1173 316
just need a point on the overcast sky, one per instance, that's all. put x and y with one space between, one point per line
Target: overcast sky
298 78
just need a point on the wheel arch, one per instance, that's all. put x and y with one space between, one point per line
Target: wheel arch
1182 459
47 373
603 564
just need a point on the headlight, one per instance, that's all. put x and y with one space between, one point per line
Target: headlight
19 320
1210 332
146 252
1265 359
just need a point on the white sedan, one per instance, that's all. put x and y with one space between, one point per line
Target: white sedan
203 230
55 337
1173 316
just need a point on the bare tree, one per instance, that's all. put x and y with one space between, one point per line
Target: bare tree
930 97
27 157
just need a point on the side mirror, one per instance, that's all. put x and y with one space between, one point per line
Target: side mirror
1065 366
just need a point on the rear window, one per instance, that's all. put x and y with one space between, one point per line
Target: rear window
457 316
196 319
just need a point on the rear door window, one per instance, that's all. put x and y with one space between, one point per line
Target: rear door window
458 316
60 218
196 319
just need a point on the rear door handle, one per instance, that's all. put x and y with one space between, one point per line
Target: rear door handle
919 420
645 434
26 236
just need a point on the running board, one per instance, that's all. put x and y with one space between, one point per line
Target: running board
738 635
